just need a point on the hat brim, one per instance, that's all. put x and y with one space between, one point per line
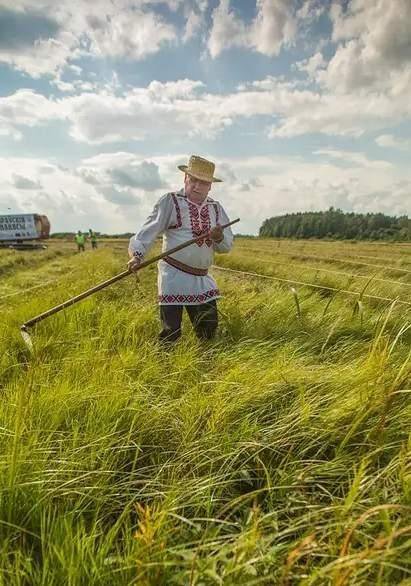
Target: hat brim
184 169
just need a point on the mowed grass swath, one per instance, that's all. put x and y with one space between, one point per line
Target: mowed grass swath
278 454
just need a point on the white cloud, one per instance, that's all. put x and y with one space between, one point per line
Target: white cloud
274 26
311 10
23 200
69 202
393 142
121 197
375 47
101 167
193 26
172 90
364 88
44 57
21 182
366 85
184 108
102 28
26 108
331 114
160 110
107 85
355 95
201 5
64 86
227 30
125 179
290 184
276 184
124 170
312 65
130 33
7 130
144 175
353 157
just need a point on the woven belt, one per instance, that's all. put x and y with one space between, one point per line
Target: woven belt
185 268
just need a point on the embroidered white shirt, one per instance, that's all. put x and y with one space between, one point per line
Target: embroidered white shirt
178 219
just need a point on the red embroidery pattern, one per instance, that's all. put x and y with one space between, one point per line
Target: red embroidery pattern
200 298
206 223
200 223
217 214
178 213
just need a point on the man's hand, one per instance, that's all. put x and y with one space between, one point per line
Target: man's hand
216 234
133 264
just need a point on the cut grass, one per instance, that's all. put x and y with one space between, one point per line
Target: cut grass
278 454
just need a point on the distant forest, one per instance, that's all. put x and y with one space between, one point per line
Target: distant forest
70 235
334 223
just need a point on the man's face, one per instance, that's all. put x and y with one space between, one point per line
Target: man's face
196 189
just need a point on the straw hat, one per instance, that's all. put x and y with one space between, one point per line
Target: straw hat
200 169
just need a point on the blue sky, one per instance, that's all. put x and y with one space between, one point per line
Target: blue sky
301 104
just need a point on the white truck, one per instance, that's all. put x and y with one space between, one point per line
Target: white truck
20 230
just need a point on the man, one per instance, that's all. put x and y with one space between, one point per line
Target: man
80 240
183 279
93 238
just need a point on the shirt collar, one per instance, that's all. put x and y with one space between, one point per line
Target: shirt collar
183 193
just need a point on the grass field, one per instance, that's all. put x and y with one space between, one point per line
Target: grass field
278 454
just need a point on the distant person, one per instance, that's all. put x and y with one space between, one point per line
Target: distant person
80 240
93 238
183 279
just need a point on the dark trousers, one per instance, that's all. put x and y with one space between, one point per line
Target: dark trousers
204 318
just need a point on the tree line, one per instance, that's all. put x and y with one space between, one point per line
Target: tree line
334 223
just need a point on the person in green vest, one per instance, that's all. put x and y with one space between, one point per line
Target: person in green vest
80 240
93 238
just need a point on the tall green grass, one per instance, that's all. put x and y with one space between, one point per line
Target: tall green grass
277 454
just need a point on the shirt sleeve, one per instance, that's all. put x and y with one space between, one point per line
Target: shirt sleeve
227 242
156 223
